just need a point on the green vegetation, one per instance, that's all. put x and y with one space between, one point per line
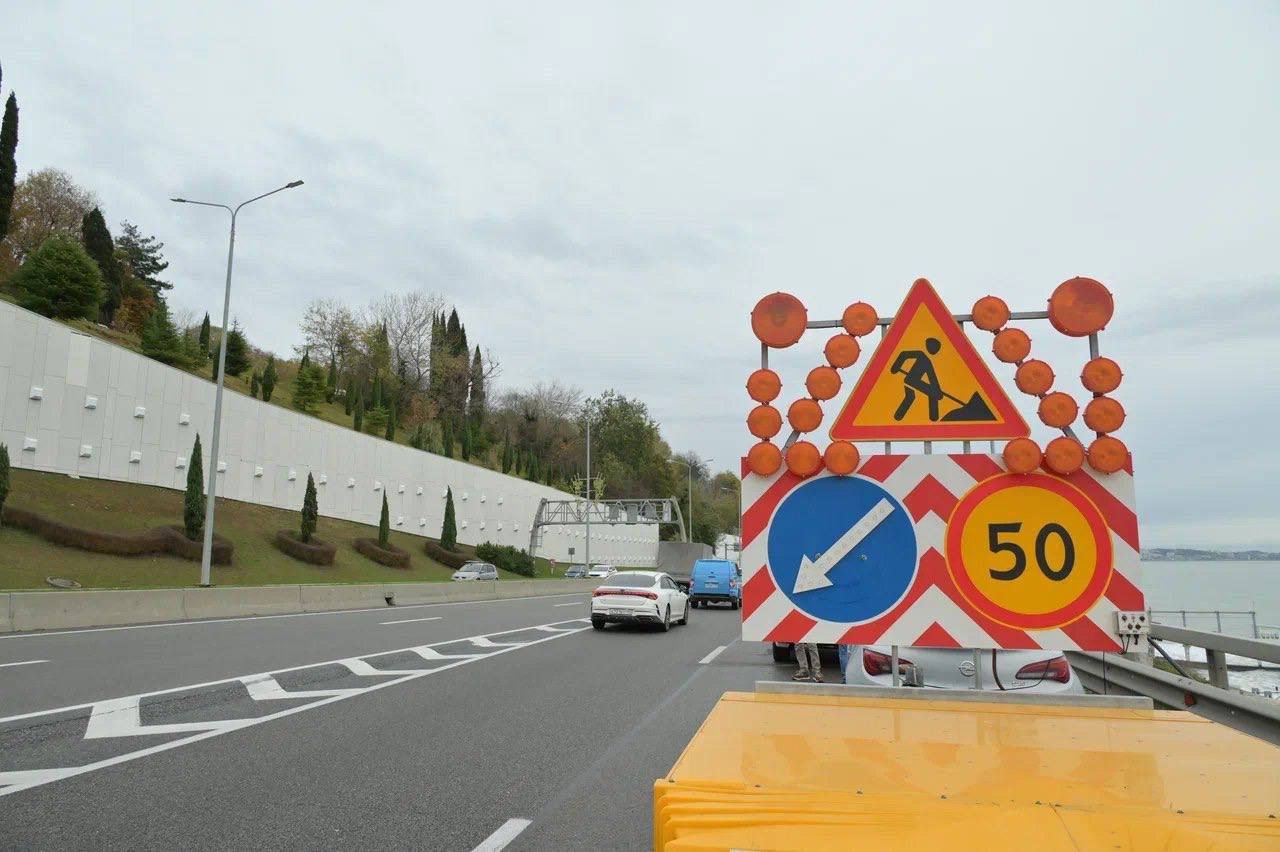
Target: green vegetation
449 530
8 166
4 477
507 558
99 245
310 511
60 281
384 523
194 501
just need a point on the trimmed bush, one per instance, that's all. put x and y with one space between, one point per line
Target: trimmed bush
194 504
4 476
384 524
391 556
447 558
172 540
507 558
449 530
310 511
315 551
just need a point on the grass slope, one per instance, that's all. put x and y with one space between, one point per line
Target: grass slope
26 560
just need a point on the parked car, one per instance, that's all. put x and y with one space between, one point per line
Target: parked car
575 572
639 597
601 570
476 571
715 581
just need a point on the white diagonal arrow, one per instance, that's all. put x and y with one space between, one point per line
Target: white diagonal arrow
813 572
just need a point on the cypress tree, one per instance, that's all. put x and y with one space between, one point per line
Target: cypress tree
384 523
98 243
204 332
310 511
193 505
449 532
8 165
331 383
255 384
377 391
269 377
466 442
358 422
448 439
4 478
506 452
348 398
391 424
476 402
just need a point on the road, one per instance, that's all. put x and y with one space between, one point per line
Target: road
443 726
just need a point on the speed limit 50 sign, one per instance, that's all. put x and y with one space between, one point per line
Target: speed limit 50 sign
940 550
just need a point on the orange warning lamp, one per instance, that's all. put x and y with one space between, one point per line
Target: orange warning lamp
842 350
1063 455
823 382
1108 455
1012 345
764 421
803 459
1101 375
859 319
764 459
778 320
990 313
841 458
1104 414
1021 455
764 385
804 415
1080 306
1058 410
1034 377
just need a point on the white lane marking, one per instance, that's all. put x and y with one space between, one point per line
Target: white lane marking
128 707
40 634
485 642
709 657
571 603
360 667
23 663
263 687
408 620
506 833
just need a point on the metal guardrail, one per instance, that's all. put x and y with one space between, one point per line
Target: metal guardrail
1113 674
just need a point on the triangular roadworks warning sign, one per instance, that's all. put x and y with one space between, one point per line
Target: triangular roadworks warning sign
926 382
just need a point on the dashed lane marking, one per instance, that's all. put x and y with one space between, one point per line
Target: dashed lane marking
501 838
709 657
22 663
122 717
408 620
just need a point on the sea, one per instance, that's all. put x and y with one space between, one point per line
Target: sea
1233 589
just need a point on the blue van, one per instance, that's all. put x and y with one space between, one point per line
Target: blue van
715 581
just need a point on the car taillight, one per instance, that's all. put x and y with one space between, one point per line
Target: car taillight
639 593
1056 669
876 663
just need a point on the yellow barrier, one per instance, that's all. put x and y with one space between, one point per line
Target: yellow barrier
816 772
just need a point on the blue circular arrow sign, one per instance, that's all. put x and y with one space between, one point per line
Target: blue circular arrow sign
842 549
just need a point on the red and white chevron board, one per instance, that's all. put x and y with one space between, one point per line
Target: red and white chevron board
933 612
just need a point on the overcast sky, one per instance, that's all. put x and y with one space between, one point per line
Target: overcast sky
605 190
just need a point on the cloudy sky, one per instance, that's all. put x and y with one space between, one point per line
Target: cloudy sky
606 189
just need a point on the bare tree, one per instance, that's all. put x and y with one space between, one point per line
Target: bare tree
45 203
407 318
330 331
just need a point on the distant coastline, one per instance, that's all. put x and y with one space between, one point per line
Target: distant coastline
1186 554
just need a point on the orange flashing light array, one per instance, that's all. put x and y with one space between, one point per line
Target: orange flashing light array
1080 307
764 421
841 458
1034 377
1058 410
842 350
764 385
764 459
1108 455
823 383
1012 345
1103 414
803 459
990 313
1063 455
859 319
779 320
1022 455
804 415
1101 375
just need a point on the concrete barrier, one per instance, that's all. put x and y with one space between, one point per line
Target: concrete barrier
53 610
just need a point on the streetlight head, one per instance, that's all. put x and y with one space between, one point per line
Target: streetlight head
292 184
179 200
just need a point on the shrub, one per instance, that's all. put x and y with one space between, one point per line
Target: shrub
449 530
255 384
384 523
159 540
59 280
391 556
375 421
269 377
447 558
310 511
315 551
507 558
193 505
4 476
159 338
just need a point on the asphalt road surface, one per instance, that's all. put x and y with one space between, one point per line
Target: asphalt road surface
446 726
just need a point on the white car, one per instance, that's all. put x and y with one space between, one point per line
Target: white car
639 597
475 571
601 570
953 668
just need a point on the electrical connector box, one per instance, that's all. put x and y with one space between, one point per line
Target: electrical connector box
1133 624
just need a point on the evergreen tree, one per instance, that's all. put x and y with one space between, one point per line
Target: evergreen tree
193 505
4 478
8 165
435 368
449 531
377 392
348 398
466 442
358 422
310 511
237 353
59 280
448 439
193 354
391 423
506 452
160 339
452 334
308 387
269 378
331 384
144 257
306 360
375 421
476 402
255 384
204 332
97 242
384 523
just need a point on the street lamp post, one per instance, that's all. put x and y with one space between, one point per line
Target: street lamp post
206 555
689 466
